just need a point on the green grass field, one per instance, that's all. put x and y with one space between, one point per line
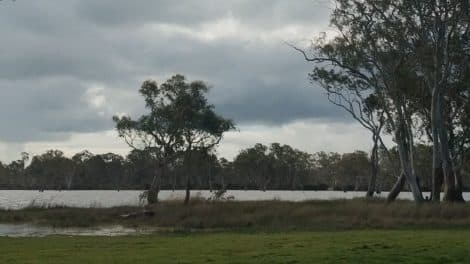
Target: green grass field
366 246
354 231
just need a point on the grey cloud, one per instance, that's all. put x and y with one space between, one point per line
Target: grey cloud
263 83
42 110
58 49
269 13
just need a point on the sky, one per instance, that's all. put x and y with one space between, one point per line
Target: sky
66 67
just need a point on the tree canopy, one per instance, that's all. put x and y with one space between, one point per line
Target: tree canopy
180 121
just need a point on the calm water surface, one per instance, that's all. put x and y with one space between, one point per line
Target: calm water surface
15 199
28 230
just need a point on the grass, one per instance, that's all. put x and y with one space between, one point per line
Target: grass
342 231
259 216
366 246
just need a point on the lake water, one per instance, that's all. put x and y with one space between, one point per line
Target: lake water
15 199
28 230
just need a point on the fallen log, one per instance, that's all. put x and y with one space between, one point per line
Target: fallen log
146 213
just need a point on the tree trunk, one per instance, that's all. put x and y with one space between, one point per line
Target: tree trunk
356 183
210 178
175 174
450 191
396 189
374 159
152 192
188 189
188 167
266 184
188 170
437 175
292 178
459 185
408 170
437 179
68 181
222 180
160 178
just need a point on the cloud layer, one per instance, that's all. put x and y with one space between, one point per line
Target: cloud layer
70 65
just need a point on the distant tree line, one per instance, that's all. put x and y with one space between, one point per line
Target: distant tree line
261 167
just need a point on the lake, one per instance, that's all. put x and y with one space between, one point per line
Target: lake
29 230
18 199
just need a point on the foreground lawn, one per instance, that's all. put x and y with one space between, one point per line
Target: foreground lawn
370 246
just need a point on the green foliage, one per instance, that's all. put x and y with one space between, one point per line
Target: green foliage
259 167
179 119
180 123
52 166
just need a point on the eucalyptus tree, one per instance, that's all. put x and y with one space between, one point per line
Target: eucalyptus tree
353 170
52 169
284 163
114 170
199 127
327 164
226 172
356 99
81 163
155 133
457 115
459 131
274 166
16 172
438 41
438 44
441 48
180 121
252 166
289 165
403 50
139 167
361 69
4 177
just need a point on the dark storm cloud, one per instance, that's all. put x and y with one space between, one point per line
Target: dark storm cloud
68 66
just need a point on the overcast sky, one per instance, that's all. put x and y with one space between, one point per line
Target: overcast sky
66 67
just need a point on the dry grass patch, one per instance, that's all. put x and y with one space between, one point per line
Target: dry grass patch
261 215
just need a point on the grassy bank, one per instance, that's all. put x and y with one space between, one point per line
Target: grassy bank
261 216
292 247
